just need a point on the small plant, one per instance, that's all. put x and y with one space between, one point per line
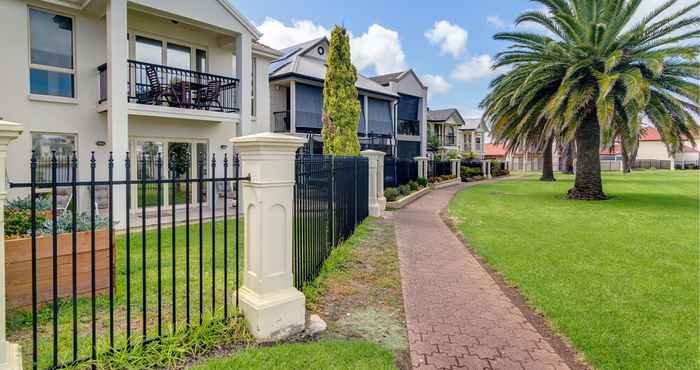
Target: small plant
25 204
64 223
404 189
391 194
422 182
453 154
413 185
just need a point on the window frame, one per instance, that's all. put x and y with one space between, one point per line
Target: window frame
134 33
72 71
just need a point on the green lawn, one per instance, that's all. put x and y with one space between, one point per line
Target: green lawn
618 277
19 321
341 355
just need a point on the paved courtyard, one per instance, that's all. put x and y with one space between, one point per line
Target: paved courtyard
457 316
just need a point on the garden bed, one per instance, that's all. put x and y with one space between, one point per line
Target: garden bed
408 199
18 267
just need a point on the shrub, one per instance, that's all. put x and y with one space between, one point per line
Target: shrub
404 189
25 204
413 185
422 182
391 194
64 223
453 154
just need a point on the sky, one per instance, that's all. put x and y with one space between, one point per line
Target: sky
448 43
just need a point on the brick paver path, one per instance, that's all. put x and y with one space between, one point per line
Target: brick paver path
457 315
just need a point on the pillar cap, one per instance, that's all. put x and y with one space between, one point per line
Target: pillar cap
373 152
268 140
10 130
421 158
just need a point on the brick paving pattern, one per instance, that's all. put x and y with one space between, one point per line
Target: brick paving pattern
457 316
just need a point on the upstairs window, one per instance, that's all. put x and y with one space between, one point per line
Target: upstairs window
52 66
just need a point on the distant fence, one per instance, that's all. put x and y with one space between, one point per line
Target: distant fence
330 200
437 168
398 172
688 165
651 164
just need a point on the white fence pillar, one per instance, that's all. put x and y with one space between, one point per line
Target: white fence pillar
273 308
488 169
10 358
376 200
456 167
422 166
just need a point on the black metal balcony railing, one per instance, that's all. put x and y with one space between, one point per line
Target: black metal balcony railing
281 121
154 84
411 128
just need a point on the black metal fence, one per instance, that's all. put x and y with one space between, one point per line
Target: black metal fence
651 164
98 284
398 172
437 168
330 200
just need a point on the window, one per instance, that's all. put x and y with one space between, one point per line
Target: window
44 144
52 67
201 61
148 50
179 56
253 93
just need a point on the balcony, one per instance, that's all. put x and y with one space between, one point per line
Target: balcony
281 122
179 89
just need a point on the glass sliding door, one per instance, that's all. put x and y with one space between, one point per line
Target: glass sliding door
147 168
180 166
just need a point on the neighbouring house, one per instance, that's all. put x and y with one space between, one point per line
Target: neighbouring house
296 99
652 147
411 112
471 137
454 132
138 76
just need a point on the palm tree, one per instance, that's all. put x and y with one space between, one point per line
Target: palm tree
593 67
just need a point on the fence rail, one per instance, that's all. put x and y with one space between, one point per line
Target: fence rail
136 287
398 172
330 200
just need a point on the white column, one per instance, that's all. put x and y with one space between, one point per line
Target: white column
422 166
244 66
273 308
10 358
293 107
488 169
117 114
376 200
455 167
673 163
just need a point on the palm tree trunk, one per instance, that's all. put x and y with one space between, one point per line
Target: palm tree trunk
625 157
547 162
588 184
569 163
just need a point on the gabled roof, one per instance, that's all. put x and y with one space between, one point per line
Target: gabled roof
294 63
495 150
244 21
385 79
264 49
442 115
473 124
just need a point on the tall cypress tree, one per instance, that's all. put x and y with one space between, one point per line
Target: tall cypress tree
341 109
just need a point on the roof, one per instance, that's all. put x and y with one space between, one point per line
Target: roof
441 115
653 134
495 150
266 49
615 150
385 79
472 124
294 63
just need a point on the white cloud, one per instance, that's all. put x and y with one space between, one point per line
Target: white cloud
278 35
436 84
378 48
496 21
451 38
475 68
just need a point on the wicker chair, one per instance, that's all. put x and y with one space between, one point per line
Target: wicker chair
210 95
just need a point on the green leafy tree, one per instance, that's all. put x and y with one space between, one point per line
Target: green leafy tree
341 109
594 68
434 143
